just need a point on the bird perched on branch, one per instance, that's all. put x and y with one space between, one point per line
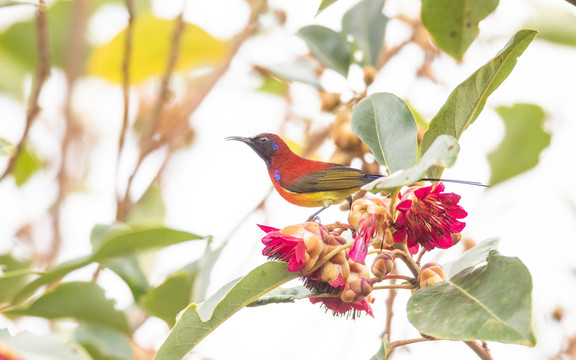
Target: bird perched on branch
306 182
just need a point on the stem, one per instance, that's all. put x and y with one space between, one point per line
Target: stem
396 286
390 309
398 343
420 255
482 351
404 255
398 277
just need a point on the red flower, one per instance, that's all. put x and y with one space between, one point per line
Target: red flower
279 246
340 307
428 217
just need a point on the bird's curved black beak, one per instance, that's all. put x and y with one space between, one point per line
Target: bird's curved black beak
240 138
250 142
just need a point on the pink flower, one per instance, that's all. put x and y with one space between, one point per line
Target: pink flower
279 246
428 217
370 216
339 307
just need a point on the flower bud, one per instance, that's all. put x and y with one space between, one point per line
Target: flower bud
382 265
370 216
330 101
369 74
431 273
357 288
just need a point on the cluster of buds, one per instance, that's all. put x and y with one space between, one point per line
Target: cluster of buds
306 248
423 216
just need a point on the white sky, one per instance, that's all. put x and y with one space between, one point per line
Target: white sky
211 186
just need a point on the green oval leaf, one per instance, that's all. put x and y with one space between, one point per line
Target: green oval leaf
169 298
478 254
491 303
366 23
386 125
199 320
524 139
454 23
328 47
466 102
84 301
443 153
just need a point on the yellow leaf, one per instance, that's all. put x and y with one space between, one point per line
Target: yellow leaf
151 45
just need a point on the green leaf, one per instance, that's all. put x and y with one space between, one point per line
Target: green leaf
42 347
83 301
56 273
117 242
169 298
283 295
201 271
383 351
366 23
468 99
474 256
454 23
554 25
128 269
304 71
14 274
490 303
386 125
197 321
328 47
110 241
442 153
27 164
524 139
103 343
150 208
324 5
274 86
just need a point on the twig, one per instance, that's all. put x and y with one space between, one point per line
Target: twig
398 343
73 68
395 286
390 310
126 78
124 204
482 351
42 71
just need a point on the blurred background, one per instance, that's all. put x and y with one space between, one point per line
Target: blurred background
245 71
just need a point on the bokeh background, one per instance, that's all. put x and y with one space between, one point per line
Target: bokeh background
74 177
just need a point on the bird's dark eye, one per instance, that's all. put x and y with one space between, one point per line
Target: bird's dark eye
263 140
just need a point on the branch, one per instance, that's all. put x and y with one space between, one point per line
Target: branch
42 71
480 350
126 77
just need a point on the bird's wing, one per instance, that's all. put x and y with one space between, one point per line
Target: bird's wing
338 177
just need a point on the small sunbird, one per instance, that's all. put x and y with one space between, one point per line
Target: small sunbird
306 182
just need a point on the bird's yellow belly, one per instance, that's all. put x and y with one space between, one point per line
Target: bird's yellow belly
316 199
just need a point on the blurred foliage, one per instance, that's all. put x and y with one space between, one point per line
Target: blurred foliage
524 139
151 44
394 132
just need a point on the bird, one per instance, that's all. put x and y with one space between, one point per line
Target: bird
305 182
